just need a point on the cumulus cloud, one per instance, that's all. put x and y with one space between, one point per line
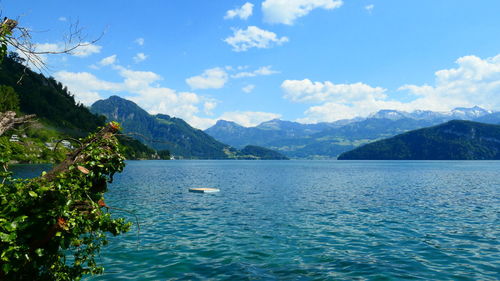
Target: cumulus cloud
208 106
253 37
248 88
287 11
140 57
213 78
244 12
308 91
108 60
474 81
261 71
85 86
139 41
249 118
135 81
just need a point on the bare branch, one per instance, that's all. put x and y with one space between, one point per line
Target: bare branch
8 120
20 39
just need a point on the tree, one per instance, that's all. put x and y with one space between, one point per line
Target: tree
9 99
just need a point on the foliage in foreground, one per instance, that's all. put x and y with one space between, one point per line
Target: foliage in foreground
52 227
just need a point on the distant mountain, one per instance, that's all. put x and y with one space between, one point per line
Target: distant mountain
492 118
294 128
459 113
267 133
464 113
453 140
161 131
389 114
328 140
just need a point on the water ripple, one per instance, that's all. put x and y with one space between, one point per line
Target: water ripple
308 220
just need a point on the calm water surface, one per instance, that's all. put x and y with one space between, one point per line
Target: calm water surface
307 220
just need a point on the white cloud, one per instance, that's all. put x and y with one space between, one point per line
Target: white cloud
62 19
248 118
208 106
264 70
139 41
140 57
213 78
253 37
327 112
337 101
287 11
474 82
86 49
108 60
308 91
248 88
201 123
85 86
135 81
244 12
369 8
85 81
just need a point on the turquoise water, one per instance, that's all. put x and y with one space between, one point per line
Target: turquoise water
307 220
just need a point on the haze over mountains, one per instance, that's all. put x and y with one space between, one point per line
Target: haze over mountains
328 140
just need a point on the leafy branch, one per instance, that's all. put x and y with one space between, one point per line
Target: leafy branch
52 227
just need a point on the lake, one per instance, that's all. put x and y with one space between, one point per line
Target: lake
306 220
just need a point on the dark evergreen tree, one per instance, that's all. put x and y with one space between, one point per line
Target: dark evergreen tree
9 99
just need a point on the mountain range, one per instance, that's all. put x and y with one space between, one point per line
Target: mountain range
453 140
163 132
328 140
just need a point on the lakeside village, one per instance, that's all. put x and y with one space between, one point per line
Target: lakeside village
29 150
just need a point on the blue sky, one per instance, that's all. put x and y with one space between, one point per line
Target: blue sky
251 61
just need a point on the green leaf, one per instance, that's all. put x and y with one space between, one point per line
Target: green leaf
4 237
32 193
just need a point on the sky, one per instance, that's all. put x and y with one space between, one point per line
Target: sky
251 61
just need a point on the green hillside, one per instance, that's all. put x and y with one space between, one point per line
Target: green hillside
58 116
51 101
453 140
260 153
